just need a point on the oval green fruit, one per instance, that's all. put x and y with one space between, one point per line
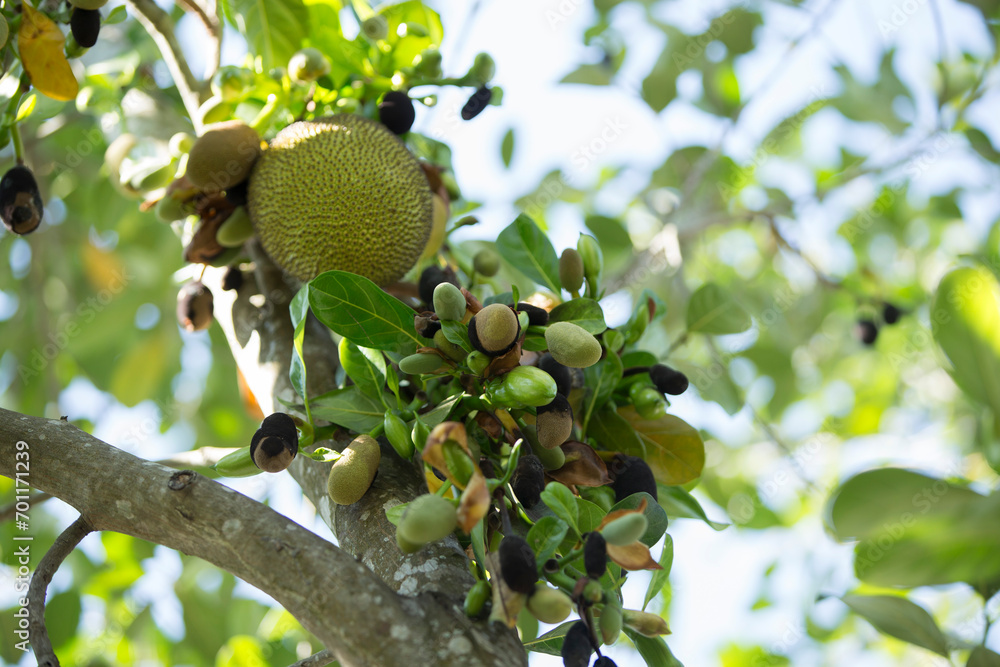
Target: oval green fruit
452 351
572 345
494 330
307 65
223 156
422 362
571 270
398 435
352 474
523 386
625 529
449 302
237 464
549 605
427 519
236 229
610 622
486 262
476 598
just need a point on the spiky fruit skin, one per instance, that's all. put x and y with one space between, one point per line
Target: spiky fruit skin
517 564
632 475
396 112
223 156
85 24
340 193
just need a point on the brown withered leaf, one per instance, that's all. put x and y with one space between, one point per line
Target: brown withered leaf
583 466
505 362
433 452
490 424
475 502
635 556
507 604
611 516
472 304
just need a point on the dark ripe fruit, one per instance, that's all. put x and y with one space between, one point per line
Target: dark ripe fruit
891 313
237 194
605 661
20 201
396 112
554 422
194 306
282 424
595 555
631 475
477 103
517 564
431 278
536 316
668 380
867 331
576 648
528 480
271 451
233 279
494 330
561 374
85 24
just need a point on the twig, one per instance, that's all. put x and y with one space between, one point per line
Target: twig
157 23
9 512
324 657
62 547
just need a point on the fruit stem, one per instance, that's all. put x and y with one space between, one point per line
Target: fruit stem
570 557
15 137
11 114
444 488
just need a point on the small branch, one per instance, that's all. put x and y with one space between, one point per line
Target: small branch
9 512
159 26
324 657
61 548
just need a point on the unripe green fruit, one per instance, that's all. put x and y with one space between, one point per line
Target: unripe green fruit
181 144
449 302
625 529
571 270
610 623
593 259
428 63
477 362
646 624
549 605
452 351
223 156
422 362
476 598
169 209
352 474
230 82
427 519
522 386
88 4
4 32
215 110
236 464
307 65
482 70
494 330
236 229
398 435
552 459
572 345
458 462
375 27
649 403
486 262
592 592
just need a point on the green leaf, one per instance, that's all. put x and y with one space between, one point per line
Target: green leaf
654 650
679 503
713 310
546 536
457 333
25 108
583 312
672 447
562 502
366 367
614 433
527 248
600 381
591 75
983 657
966 324
590 515
655 516
299 310
899 618
982 144
62 616
117 15
274 29
440 411
507 147
551 642
350 408
357 309
660 578
395 513
406 47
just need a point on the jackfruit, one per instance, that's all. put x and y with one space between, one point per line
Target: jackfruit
340 193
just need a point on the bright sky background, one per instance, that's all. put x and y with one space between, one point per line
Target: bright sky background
716 575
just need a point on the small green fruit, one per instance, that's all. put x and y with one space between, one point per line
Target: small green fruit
230 82
572 345
452 351
549 605
646 624
352 474
422 362
375 27
449 302
398 435
522 386
427 519
571 270
486 262
181 144
610 623
477 362
552 459
593 260
482 70
494 330
428 64
223 156
307 65
236 229
625 529
476 598
237 464
649 402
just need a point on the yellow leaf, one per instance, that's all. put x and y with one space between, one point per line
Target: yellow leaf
674 450
40 43
634 556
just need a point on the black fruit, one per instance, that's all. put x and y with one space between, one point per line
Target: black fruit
396 112
595 555
891 313
233 279
281 424
237 194
576 648
536 316
604 661
20 201
867 331
517 564
431 278
476 103
194 306
275 443
85 24
668 380
631 475
561 374
426 324
528 480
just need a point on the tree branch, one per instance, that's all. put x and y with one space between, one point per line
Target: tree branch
334 596
324 657
159 26
61 548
